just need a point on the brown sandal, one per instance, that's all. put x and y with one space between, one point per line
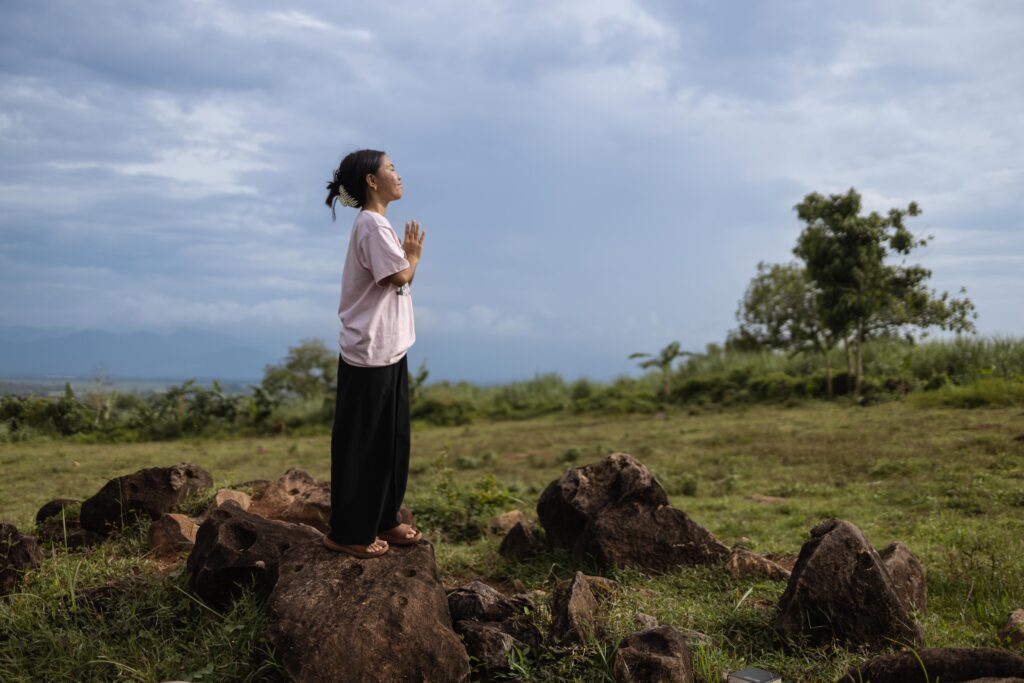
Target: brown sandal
398 539
354 550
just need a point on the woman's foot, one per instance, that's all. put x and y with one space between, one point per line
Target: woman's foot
375 549
403 534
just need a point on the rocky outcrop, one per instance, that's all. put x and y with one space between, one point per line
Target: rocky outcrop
18 552
148 493
907 575
949 665
332 617
236 549
616 513
655 655
840 591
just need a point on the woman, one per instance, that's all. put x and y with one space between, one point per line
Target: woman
370 439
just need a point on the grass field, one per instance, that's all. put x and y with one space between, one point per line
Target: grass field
949 483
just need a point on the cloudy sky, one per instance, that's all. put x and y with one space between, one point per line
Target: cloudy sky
595 177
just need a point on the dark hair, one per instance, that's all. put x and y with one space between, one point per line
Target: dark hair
351 174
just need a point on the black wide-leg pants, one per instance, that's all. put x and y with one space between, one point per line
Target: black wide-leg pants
369 451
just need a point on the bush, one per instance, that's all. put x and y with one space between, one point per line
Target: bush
461 510
990 391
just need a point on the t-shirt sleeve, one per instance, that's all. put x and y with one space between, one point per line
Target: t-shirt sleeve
381 253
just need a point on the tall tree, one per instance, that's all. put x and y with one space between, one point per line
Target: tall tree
309 371
779 311
860 291
663 361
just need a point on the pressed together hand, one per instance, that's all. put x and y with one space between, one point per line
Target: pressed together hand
413 242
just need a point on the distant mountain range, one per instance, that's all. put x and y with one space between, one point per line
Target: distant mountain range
29 352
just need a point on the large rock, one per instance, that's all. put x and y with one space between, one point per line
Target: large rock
616 512
296 497
660 538
332 617
235 549
840 591
949 665
300 498
656 655
150 492
18 553
907 575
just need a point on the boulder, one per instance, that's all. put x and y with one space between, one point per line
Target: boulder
616 513
172 533
333 617
840 591
745 565
296 497
520 543
569 503
150 492
649 538
907 575
54 509
235 548
949 665
18 552
1013 632
574 608
656 655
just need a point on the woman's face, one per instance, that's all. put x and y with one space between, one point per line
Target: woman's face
386 182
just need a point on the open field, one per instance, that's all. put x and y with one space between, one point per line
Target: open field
949 483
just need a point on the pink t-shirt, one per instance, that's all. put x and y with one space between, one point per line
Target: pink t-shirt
377 325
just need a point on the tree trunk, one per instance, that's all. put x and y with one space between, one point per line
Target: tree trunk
667 372
860 365
849 361
828 373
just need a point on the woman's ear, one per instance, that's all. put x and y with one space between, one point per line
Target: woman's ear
371 185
